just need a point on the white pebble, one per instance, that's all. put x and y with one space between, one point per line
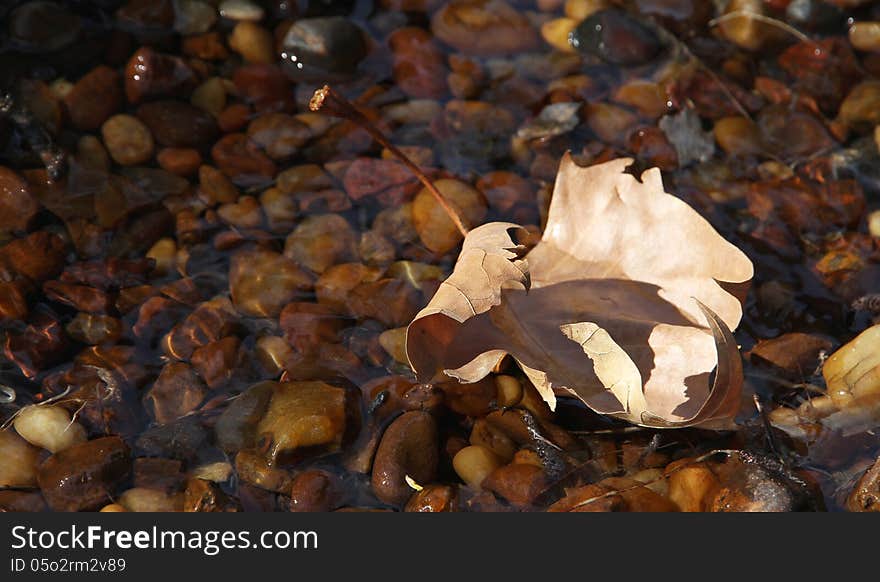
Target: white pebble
240 10
874 223
48 427
18 467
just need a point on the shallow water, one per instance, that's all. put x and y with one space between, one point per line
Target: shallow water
192 249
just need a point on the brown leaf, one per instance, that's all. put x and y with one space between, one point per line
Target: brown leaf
627 275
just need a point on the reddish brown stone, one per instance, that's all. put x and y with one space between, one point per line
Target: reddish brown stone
177 391
313 490
178 124
17 203
216 361
234 118
519 484
651 146
80 297
241 159
419 66
85 476
409 447
13 301
265 87
433 499
390 301
38 256
94 98
150 74
307 325
179 161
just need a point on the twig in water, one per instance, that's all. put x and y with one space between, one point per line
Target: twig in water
329 101
761 18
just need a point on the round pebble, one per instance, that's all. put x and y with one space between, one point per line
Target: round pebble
254 43
128 140
241 10
48 427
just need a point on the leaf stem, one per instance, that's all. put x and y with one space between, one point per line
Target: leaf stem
329 101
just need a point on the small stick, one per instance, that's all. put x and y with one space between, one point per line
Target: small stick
327 100
761 18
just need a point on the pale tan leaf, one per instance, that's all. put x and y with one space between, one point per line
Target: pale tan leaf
627 302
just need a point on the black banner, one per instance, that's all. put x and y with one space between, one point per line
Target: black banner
414 547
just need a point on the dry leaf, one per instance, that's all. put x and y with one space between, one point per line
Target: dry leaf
627 302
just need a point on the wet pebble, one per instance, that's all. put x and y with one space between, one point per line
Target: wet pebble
650 145
215 186
743 29
738 136
320 46
48 427
303 414
217 361
860 108
150 74
384 179
617 38
262 282
436 230
556 33
321 241
335 284
313 490
409 448
242 160
94 98
265 87
518 483
418 64
555 119
611 123
176 392
38 256
433 498
178 124
852 373
179 161
473 464
128 140
241 10
865 36
244 213
13 302
145 500
865 496
390 301
307 325
94 329
483 27
280 135
20 460
84 476
254 43
18 206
